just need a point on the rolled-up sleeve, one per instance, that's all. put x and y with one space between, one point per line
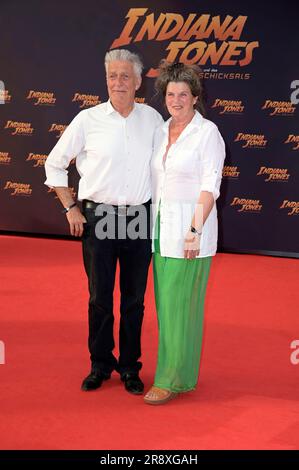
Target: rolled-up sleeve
70 144
212 158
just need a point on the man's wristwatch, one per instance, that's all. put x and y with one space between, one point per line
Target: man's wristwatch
66 209
193 230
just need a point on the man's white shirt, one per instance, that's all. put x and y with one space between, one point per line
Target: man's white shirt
112 152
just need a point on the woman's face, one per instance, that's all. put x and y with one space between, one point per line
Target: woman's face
179 100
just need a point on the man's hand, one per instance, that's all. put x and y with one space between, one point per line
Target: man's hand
191 246
76 220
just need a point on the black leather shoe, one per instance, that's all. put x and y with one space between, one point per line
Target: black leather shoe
133 383
93 381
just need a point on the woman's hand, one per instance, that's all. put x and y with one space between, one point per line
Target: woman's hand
191 245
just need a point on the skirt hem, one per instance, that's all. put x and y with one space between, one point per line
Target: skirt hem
174 389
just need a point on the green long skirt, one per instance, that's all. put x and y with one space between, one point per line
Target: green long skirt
180 286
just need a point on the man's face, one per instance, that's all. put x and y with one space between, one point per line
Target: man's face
122 83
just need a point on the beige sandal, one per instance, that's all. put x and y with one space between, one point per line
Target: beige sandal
158 396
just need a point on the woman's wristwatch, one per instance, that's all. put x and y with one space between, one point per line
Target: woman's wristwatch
193 230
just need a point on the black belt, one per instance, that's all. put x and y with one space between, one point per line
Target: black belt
114 210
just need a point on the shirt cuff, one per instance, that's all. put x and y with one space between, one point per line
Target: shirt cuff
210 184
57 181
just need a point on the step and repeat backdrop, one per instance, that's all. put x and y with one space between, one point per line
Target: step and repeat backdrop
51 67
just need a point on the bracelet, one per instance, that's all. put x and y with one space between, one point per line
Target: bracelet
193 230
66 209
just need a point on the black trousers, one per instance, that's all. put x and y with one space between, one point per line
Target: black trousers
100 259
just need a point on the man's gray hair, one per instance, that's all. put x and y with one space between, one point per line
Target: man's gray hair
124 55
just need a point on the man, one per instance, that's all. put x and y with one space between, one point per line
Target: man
112 143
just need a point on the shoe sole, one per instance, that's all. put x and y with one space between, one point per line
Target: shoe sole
134 392
83 389
90 389
148 401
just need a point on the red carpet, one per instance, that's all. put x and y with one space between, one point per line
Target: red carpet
247 395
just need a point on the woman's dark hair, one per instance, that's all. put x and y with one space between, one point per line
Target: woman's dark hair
179 72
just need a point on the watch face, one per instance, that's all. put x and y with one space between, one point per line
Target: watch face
193 230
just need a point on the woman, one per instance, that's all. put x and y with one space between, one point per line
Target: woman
186 172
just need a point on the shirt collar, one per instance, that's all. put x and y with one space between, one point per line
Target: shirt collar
194 123
110 109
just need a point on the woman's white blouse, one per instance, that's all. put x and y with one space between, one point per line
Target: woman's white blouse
193 164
